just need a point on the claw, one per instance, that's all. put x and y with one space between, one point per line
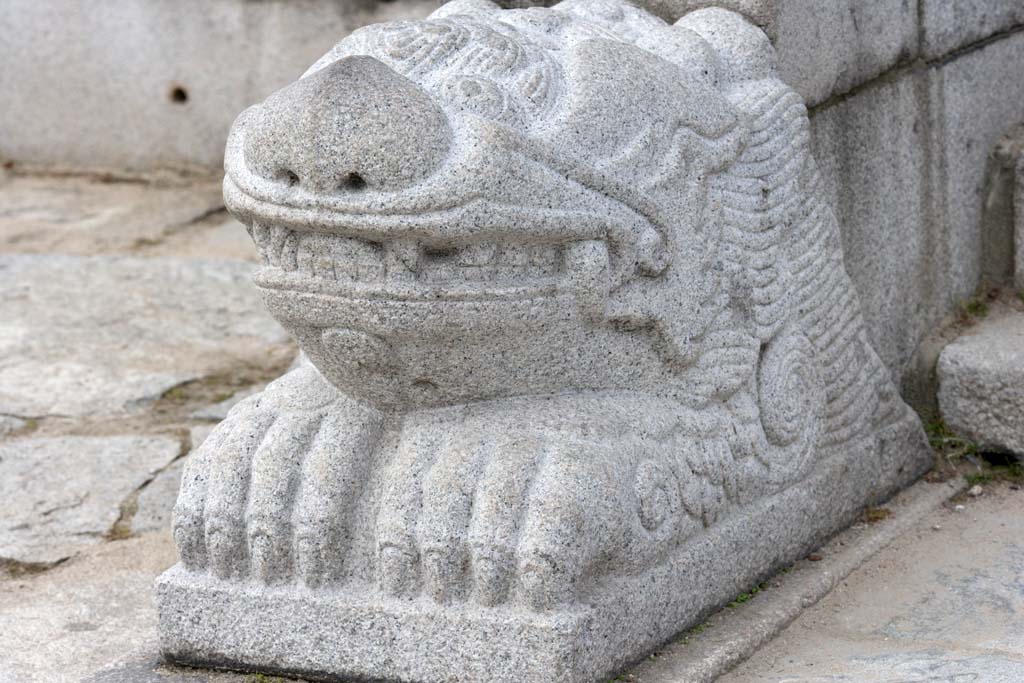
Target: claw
267 555
544 583
499 506
188 525
188 537
492 572
224 543
311 547
444 571
396 570
332 476
400 508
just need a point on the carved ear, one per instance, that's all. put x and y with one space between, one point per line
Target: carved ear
743 49
463 7
617 89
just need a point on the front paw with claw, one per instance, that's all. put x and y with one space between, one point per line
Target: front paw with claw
495 513
269 492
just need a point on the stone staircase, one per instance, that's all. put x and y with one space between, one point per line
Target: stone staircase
981 383
981 373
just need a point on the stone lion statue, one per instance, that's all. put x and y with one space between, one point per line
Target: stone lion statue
576 321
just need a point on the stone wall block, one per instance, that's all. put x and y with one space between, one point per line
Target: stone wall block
874 155
951 24
975 99
826 47
133 86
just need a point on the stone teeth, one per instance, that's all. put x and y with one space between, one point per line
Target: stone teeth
324 268
514 255
261 236
332 257
350 259
275 241
289 251
351 250
402 259
544 256
477 254
307 254
588 264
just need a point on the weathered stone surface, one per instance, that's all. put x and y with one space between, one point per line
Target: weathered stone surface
62 493
218 411
737 633
829 48
95 335
947 25
825 47
1018 228
87 216
969 120
91 620
10 424
998 211
981 383
138 86
925 609
216 237
156 501
907 161
873 151
584 358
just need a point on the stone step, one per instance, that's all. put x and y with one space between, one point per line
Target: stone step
981 383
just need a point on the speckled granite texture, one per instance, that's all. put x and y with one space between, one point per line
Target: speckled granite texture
584 361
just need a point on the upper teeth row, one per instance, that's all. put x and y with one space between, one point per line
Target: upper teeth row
346 258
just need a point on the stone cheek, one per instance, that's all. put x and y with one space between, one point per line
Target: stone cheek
583 357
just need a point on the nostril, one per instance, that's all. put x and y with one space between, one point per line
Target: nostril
178 94
353 181
288 177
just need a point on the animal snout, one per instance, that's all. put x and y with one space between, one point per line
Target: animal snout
351 126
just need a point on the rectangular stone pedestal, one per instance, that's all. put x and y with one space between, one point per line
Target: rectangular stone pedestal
361 635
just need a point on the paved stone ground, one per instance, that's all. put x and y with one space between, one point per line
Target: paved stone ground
942 604
137 299
128 320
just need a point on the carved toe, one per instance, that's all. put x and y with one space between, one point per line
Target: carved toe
225 543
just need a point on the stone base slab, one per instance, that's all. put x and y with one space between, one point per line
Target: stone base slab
352 634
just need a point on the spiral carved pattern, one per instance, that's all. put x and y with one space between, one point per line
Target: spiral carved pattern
657 492
792 402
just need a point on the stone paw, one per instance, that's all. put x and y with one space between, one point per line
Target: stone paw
269 493
493 513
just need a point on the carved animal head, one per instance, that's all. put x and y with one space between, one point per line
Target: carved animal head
499 202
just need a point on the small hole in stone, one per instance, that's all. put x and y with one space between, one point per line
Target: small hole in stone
289 178
354 181
178 95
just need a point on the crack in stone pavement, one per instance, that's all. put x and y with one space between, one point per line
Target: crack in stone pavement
122 527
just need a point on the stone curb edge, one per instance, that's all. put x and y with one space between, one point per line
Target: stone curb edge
735 633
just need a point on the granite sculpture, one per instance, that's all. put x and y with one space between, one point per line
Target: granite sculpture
583 359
